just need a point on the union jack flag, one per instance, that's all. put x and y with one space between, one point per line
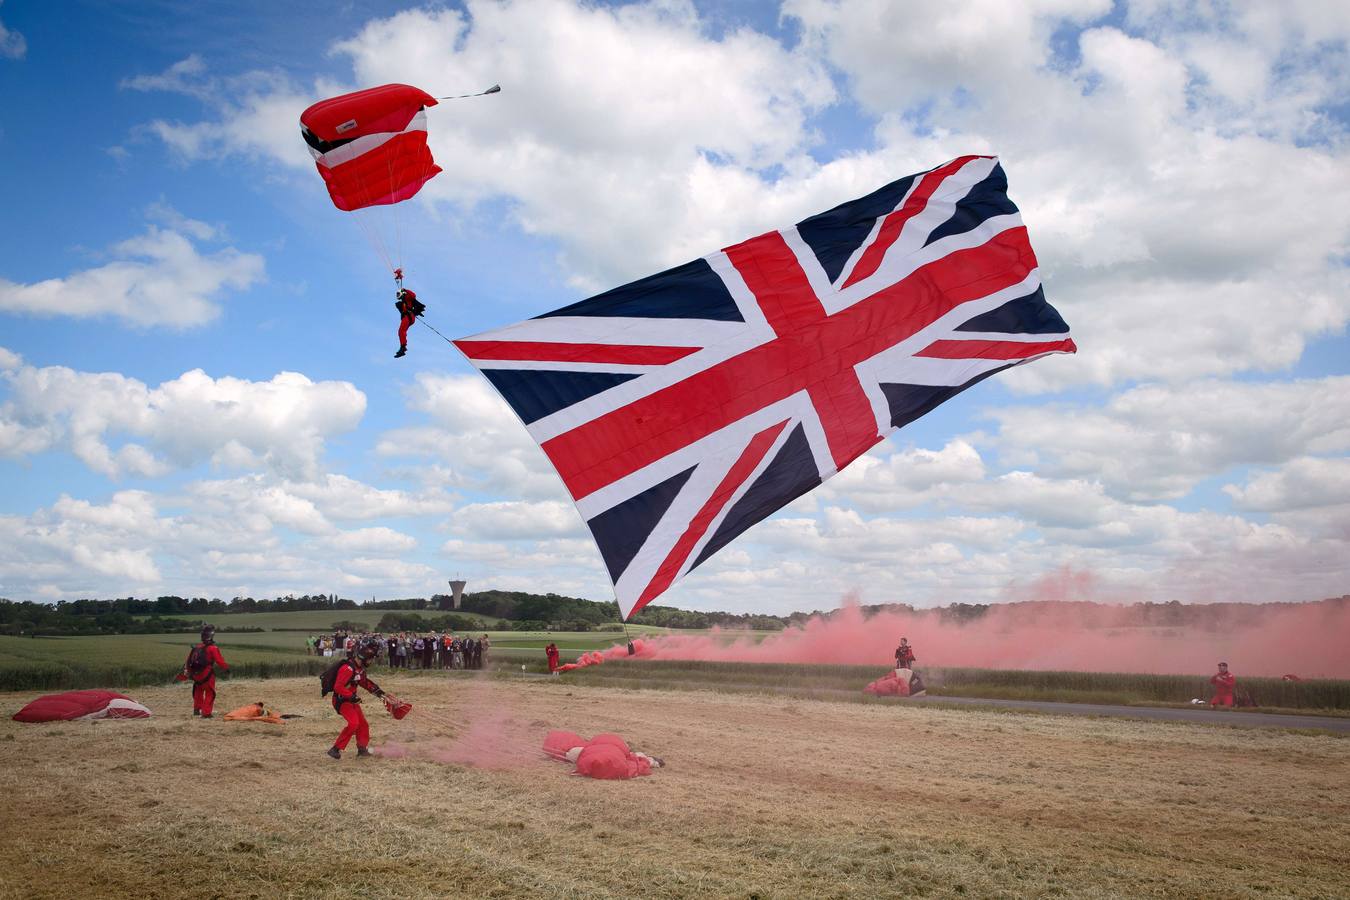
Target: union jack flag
685 407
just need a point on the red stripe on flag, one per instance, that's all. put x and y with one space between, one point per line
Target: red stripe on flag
749 460
540 351
894 223
994 349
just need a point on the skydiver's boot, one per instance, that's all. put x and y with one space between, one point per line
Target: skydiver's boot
402 351
362 751
335 753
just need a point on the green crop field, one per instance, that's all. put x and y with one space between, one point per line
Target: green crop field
837 682
128 660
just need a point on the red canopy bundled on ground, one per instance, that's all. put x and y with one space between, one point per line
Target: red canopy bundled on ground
82 705
897 683
605 756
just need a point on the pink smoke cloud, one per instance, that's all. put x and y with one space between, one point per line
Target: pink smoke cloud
1309 640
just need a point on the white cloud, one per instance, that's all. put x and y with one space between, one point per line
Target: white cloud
187 76
12 44
76 541
381 541
881 482
477 435
515 520
159 279
1303 483
281 424
1158 441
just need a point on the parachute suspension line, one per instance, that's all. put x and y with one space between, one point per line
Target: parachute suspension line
438 334
495 89
628 637
372 232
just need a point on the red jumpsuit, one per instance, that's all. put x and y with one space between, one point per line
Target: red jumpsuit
1223 689
405 308
552 653
204 682
348 705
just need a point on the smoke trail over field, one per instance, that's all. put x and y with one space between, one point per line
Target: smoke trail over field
1309 640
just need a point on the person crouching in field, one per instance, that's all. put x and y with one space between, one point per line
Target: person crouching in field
351 674
1223 682
201 669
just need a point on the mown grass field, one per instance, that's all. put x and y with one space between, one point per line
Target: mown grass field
763 796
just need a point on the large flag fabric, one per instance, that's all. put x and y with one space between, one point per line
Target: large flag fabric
683 408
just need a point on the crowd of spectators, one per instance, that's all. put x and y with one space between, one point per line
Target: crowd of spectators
409 650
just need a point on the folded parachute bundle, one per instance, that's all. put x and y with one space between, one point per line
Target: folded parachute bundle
605 756
897 683
255 712
72 705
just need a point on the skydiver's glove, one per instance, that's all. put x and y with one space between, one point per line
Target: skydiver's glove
378 693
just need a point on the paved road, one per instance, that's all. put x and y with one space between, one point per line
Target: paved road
1167 714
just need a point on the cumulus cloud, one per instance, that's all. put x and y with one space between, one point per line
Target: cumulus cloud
511 519
472 430
1303 483
157 279
1158 441
121 426
12 44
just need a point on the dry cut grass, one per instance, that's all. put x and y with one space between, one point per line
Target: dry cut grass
763 797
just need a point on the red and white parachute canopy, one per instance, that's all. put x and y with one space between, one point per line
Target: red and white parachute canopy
82 705
371 146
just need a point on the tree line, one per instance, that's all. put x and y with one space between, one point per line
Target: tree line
523 611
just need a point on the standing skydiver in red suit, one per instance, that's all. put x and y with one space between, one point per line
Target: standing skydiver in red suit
1223 682
201 668
351 674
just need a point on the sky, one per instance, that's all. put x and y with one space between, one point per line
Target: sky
198 393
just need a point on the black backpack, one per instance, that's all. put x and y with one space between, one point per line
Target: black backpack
197 660
329 678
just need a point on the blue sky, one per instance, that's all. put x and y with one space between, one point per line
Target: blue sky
1181 167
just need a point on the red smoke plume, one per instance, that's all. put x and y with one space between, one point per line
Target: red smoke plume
1312 640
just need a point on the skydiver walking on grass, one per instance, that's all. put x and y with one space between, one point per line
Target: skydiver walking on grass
351 674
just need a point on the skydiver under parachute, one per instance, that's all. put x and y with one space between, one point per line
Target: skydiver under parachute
409 308
371 149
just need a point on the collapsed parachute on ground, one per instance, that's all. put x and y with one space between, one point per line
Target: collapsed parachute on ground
683 408
897 683
81 705
605 756
371 146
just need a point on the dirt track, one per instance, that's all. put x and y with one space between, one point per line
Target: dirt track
1201 715
765 796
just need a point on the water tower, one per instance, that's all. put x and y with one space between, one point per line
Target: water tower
457 592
